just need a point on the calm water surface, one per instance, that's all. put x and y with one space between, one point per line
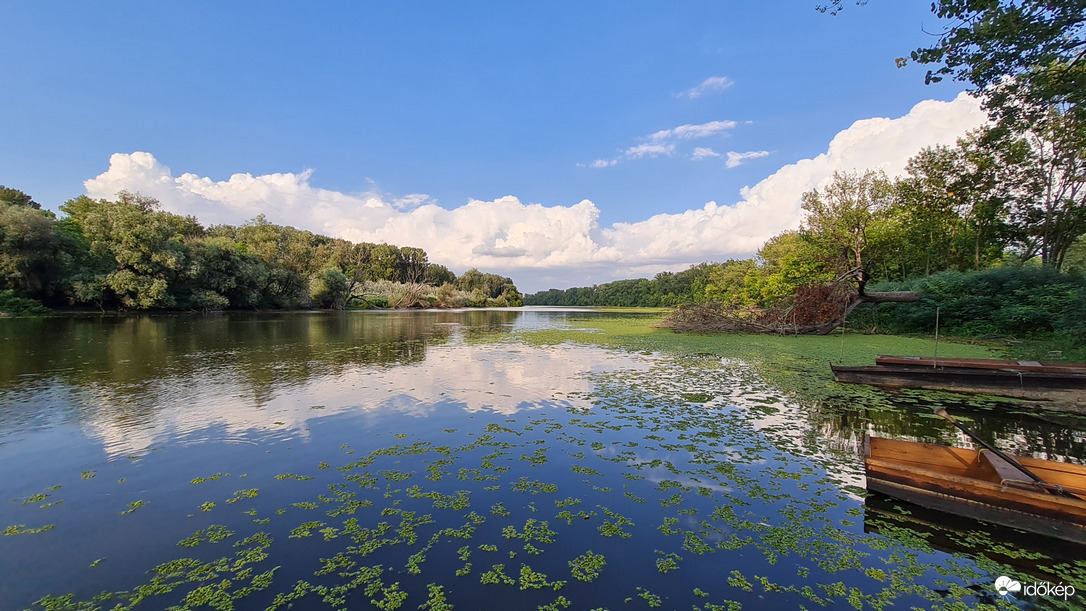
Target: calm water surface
436 459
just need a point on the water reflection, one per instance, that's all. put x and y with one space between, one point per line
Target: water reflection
136 381
1047 436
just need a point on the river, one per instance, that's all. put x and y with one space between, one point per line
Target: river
498 459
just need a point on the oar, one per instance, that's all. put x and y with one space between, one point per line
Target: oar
941 412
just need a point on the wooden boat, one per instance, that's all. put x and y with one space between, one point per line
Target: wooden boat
933 362
981 485
1068 389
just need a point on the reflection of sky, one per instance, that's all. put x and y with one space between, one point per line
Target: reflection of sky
502 379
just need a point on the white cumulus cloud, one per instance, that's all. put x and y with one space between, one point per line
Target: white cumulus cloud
554 245
713 83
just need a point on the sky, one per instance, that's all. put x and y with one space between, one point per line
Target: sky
558 143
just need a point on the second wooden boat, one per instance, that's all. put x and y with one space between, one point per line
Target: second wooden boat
981 485
1004 364
1067 389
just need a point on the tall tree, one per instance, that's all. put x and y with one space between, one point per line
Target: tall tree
34 255
840 215
1050 209
137 253
353 260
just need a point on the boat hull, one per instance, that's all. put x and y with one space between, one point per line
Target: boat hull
962 482
1067 389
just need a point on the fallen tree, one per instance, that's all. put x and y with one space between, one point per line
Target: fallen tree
814 309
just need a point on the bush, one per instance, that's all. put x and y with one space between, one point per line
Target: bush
13 305
1009 301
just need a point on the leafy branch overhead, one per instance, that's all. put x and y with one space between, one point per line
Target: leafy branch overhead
984 42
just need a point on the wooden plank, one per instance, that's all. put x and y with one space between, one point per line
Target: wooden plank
967 463
1006 470
1056 472
922 454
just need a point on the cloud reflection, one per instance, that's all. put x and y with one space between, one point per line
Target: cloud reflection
498 378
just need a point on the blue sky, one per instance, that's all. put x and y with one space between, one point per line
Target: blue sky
371 121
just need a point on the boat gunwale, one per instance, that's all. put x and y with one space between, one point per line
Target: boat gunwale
982 364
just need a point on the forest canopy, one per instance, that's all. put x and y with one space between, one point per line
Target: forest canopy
129 254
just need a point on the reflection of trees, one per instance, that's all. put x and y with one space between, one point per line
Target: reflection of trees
909 415
141 363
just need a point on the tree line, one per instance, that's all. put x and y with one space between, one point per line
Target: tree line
1009 195
129 254
982 215
994 199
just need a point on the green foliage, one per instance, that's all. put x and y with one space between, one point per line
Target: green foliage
329 289
665 289
15 197
136 254
1034 41
224 275
789 260
490 290
129 254
840 216
587 566
1005 301
13 305
34 256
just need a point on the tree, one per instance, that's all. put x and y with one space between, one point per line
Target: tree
839 216
950 211
329 289
1050 210
439 275
15 197
222 275
353 260
788 261
728 283
34 255
388 264
490 289
293 257
137 255
414 264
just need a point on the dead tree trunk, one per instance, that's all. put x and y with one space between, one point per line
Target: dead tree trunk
856 299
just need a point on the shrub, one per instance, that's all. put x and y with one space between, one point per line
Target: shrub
1012 301
13 305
